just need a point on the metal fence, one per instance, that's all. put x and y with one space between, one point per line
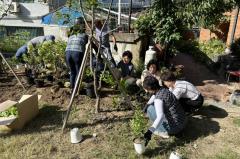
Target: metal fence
119 14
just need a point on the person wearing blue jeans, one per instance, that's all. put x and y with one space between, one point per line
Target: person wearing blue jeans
164 110
75 50
74 60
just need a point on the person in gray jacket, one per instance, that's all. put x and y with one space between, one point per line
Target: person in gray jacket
75 50
40 39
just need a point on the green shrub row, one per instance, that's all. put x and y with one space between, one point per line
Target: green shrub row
12 42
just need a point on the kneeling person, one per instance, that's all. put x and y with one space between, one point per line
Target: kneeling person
187 94
164 110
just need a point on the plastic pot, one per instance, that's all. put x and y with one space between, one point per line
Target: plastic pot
139 145
39 83
90 90
30 80
49 78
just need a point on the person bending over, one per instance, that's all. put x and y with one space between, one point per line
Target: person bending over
187 94
75 50
164 110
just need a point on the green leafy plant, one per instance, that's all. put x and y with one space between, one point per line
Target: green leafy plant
212 48
47 58
12 42
205 52
138 123
88 73
12 111
107 78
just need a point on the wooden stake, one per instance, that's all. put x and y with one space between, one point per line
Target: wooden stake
79 80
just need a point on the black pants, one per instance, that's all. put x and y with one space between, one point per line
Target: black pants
191 105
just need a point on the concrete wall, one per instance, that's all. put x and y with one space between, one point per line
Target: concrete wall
58 32
34 9
128 41
30 15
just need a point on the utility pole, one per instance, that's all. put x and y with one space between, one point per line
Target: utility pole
234 25
130 15
119 12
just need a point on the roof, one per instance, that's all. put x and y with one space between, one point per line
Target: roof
63 16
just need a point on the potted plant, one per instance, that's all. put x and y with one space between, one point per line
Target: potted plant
138 125
90 90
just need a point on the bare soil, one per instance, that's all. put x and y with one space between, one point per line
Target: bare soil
210 133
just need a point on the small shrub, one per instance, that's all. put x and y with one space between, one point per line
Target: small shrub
13 42
46 58
138 123
205 52
107 78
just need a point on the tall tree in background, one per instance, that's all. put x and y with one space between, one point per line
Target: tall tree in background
166 19
4 8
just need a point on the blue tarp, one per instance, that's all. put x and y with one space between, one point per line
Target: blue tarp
63 16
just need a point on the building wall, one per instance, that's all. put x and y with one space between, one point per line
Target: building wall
60 33
205 34
127 41
30 15
220 33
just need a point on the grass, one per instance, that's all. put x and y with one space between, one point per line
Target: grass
228 154
236 121
43 138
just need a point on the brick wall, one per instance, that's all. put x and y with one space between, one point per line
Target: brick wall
205 34
220 33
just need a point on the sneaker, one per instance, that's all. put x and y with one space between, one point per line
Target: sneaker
161 134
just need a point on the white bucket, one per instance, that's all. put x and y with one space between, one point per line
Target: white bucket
139 147
175 155
75 135
150 55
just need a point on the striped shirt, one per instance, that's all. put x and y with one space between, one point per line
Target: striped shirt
184 89
77 42
172 109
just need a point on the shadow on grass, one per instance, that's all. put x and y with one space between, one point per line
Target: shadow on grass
105 121
198 126
50 117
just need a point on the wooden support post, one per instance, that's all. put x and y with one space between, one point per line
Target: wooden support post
79 80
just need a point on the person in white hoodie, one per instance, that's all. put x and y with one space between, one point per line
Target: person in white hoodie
164 110
187 94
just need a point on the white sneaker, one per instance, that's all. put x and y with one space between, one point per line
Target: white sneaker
161 134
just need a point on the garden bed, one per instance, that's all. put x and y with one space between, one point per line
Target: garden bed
211 133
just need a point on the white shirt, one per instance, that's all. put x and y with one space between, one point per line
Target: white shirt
158 104
184 89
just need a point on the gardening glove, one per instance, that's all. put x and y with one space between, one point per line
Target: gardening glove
147 137
115 47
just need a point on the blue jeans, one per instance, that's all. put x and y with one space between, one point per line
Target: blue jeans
163 126
74 61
